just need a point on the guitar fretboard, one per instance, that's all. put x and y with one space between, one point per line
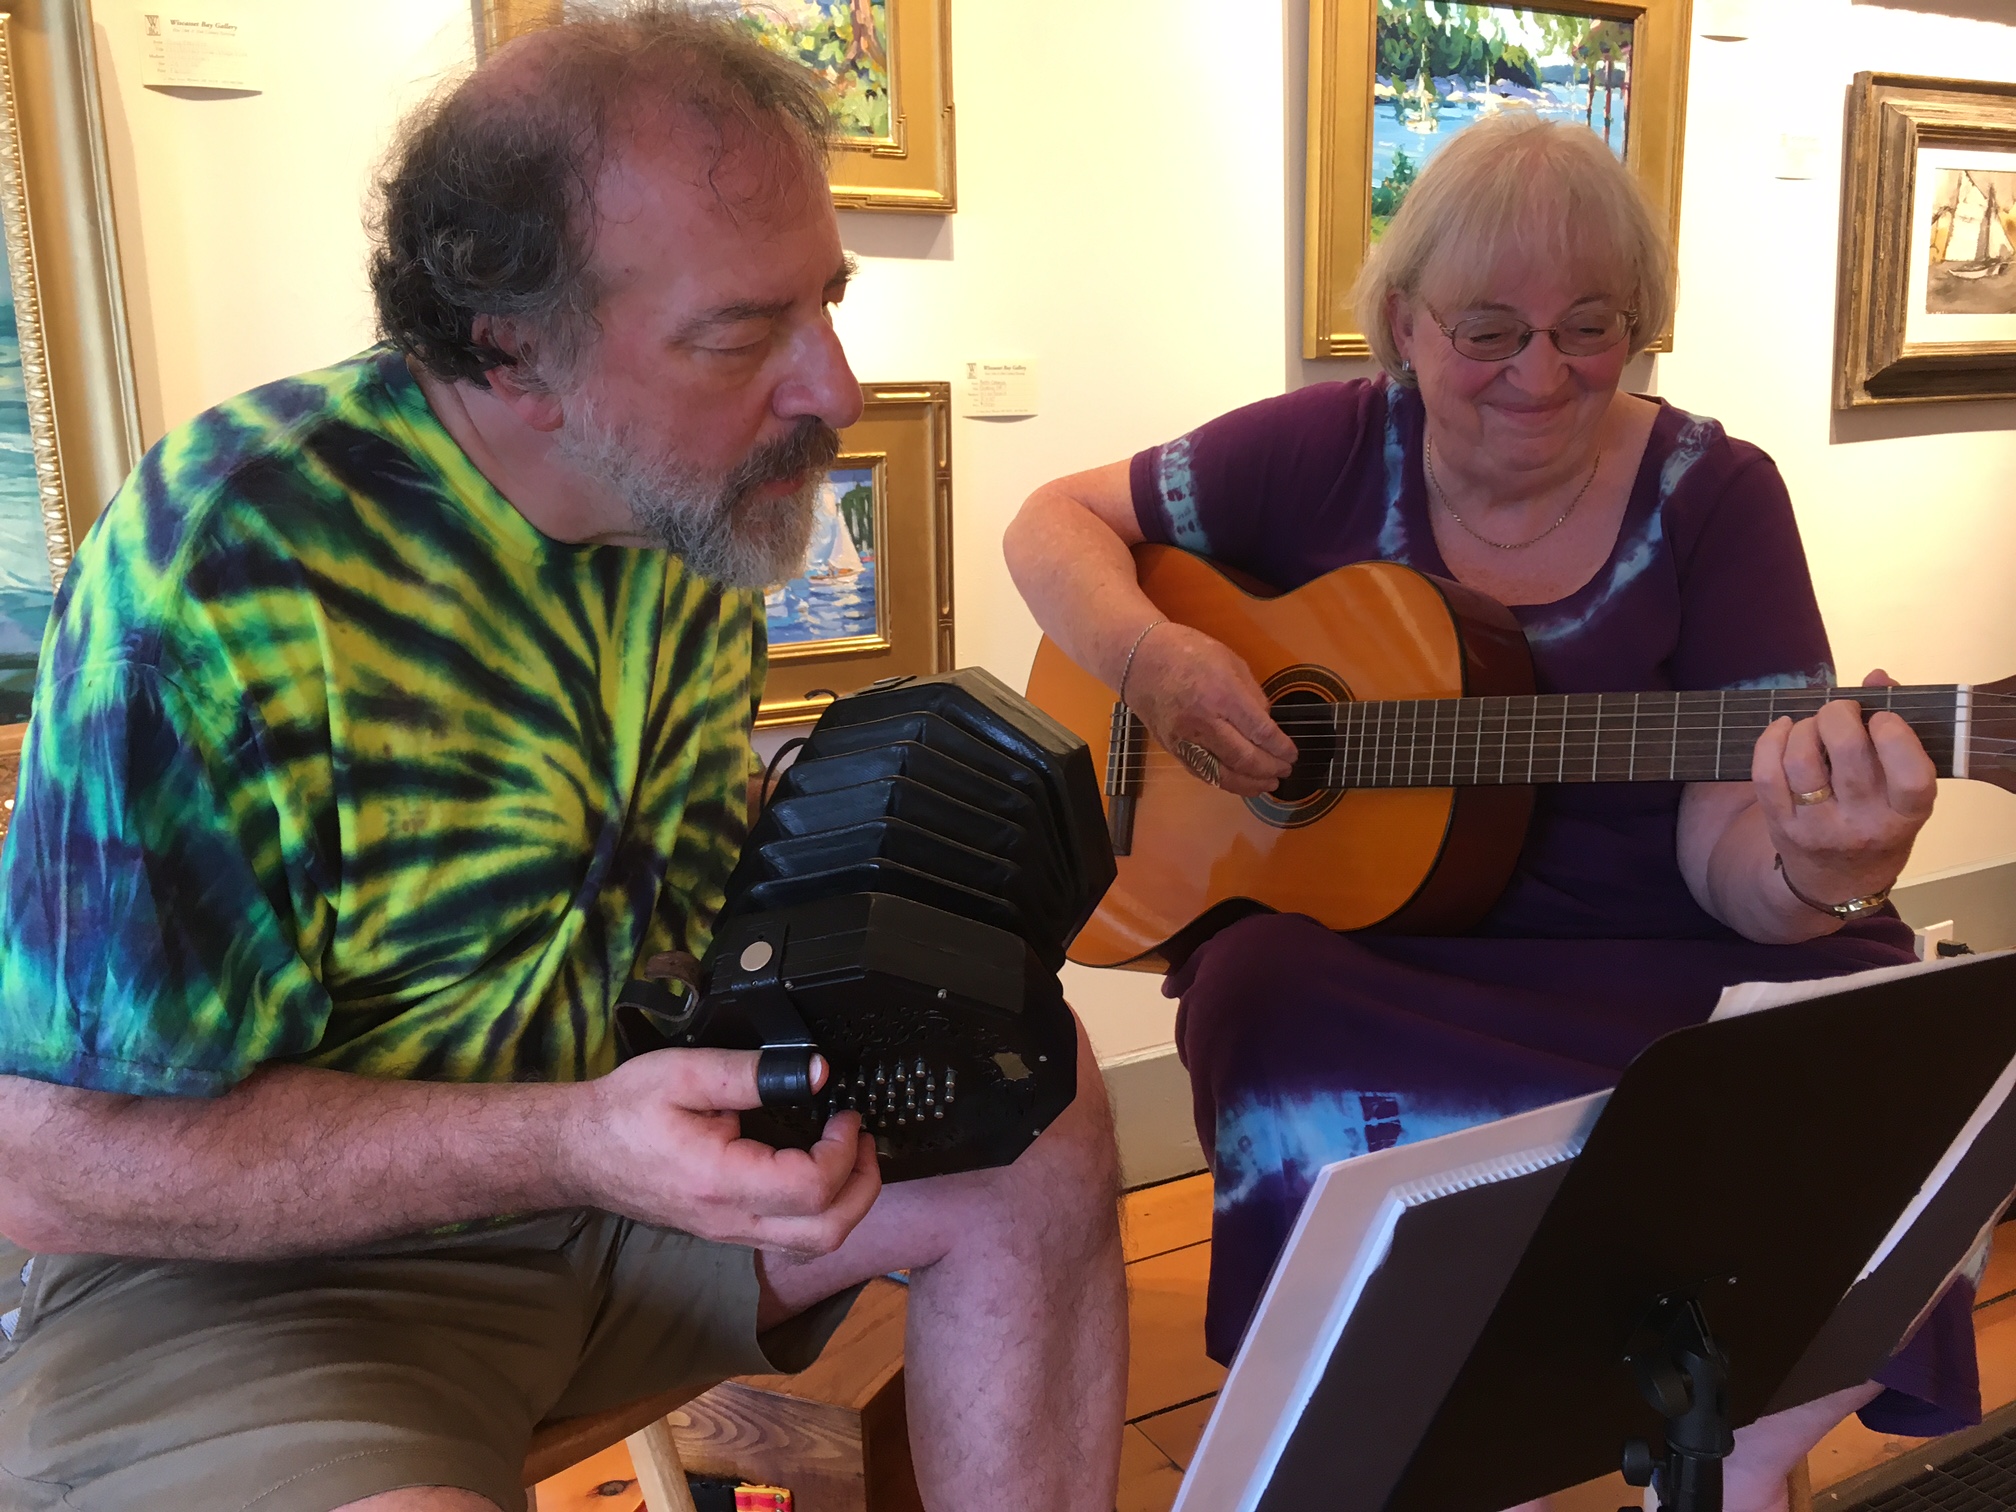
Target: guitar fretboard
1584 737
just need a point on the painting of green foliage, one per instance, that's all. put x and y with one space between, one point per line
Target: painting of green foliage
844 42
1442 66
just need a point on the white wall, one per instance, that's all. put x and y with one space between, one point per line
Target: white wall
239 216
1129 218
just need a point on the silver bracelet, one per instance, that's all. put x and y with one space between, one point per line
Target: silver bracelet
1847 911
1129 666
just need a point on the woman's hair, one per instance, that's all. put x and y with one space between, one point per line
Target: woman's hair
1517 184
485 206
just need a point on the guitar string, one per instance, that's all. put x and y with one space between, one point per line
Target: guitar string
1581 718
1402 718
1914 698
1586 748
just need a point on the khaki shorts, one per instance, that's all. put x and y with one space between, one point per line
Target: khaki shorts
299 1385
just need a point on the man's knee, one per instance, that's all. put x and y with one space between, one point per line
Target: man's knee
1071 1174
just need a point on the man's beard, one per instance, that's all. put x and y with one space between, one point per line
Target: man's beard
717 523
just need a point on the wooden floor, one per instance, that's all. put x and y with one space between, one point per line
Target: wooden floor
1171 1385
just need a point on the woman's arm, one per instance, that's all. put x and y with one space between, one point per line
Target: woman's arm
1846 846
1068 551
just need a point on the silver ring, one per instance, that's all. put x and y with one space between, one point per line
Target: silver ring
1201 762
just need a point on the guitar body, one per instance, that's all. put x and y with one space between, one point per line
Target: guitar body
1409 860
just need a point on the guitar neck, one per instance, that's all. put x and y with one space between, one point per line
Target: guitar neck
1586 737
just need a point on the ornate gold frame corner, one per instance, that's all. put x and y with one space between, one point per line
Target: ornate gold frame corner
905 431
63 261
913 169
1889 117
1337 202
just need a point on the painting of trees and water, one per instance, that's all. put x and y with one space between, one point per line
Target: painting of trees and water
26 591
832 597
844 42
1442 66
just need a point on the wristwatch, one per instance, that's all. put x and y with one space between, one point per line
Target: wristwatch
1854 908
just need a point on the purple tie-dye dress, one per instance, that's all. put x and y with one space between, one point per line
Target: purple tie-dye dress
1305 1046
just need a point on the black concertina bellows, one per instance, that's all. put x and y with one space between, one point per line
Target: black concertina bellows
903 906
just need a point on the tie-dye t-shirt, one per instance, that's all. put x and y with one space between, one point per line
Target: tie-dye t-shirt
337 760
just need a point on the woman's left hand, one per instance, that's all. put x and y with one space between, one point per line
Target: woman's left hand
1843 802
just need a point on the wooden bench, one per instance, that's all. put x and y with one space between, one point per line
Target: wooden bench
836 1433
565 1442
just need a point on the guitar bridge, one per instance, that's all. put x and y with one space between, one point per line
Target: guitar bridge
1126 754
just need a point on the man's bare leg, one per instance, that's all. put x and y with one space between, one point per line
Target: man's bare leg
1016 1356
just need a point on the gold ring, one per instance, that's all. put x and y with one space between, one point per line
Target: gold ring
1822 794
1200 761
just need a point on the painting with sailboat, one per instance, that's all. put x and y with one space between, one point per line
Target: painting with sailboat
833 597
1443 66
1972 246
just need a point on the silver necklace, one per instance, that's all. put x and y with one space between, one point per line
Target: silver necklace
1428 456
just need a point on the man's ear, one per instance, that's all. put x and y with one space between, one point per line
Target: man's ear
510 381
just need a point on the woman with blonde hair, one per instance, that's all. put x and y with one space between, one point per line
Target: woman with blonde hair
1640 547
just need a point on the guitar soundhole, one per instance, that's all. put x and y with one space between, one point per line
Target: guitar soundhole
1300 699
1293 714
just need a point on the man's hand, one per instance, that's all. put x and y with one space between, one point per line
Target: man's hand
658 1140
1186 686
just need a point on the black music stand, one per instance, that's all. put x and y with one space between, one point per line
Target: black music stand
1759 1213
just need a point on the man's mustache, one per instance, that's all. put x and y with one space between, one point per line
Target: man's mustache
811 445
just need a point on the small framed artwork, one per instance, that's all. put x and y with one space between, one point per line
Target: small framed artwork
68 418
1392 82
886 65
1927 301
874 596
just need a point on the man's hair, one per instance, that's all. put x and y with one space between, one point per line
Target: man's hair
485 207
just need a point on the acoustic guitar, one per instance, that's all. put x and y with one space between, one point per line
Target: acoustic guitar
1410 700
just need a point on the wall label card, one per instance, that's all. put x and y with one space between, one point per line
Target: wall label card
999 389
199 48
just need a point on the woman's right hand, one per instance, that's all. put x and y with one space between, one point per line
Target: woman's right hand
1186 686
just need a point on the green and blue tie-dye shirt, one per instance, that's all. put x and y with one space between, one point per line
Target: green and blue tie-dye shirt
337 760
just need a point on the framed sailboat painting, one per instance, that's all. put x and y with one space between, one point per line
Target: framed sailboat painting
873 597
1927 307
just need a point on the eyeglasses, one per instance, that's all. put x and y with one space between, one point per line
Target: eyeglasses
1499 338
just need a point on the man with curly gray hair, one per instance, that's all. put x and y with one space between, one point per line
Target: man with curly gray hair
391 715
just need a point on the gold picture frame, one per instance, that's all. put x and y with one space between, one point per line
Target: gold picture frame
910 168
1893 343
61 251
902 446
1337 227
